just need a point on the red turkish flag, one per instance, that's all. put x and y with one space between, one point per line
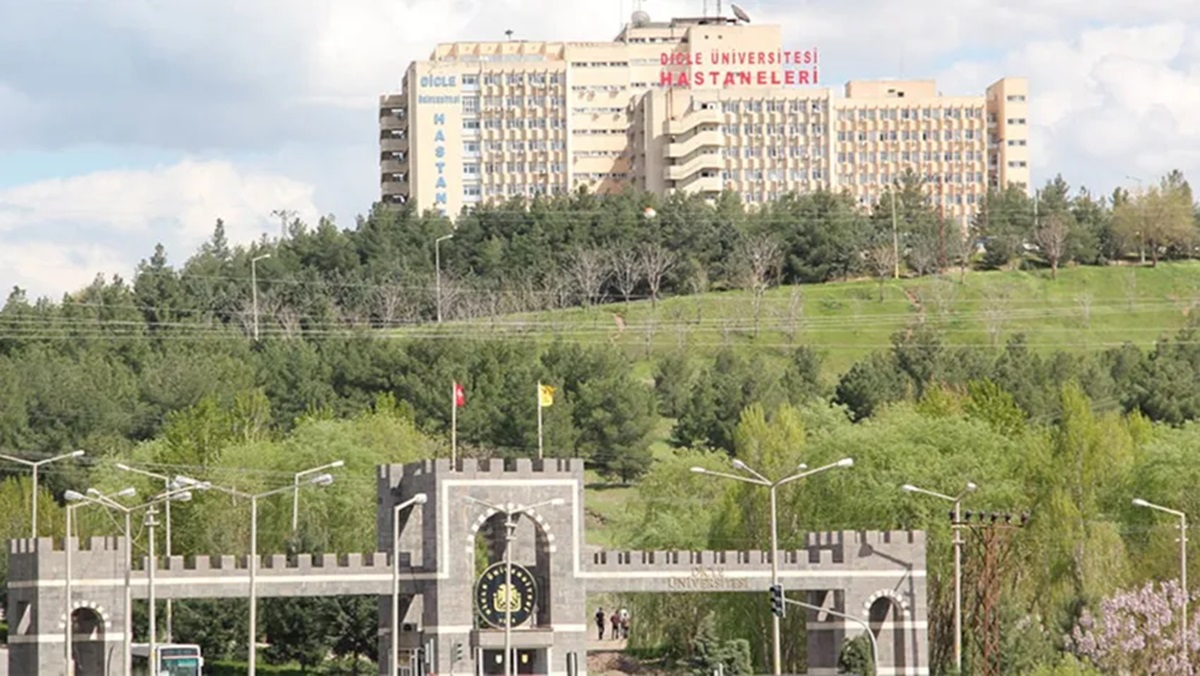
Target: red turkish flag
460 395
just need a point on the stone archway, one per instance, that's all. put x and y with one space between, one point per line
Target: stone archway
88 645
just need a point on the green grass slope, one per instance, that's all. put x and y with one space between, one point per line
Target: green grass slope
1086 308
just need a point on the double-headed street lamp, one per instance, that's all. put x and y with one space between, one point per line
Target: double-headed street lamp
36 465
958 543
511 512
418 499
296 487
1183 628
168 484
81 500
760 480
96 497
317 480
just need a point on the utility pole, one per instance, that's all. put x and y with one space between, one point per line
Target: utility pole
254 289
895 236
284 216
994 537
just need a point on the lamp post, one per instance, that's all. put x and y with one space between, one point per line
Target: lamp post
437 266
36 465
418 499
317 480
109 501
168 484
1138 502
69 626
511 512
296 487
254 289
773 486
958 543
861 622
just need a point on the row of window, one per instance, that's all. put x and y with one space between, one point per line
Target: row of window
774 151
773 106
496 168
599 64
474 79
515 123
886 178
927 135
773 174
910 113
912 156
513 145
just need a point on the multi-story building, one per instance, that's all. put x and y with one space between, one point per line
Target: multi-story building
700 105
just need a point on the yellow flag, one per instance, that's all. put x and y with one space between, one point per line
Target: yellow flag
545 396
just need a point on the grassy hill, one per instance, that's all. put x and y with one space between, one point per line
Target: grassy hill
1085 308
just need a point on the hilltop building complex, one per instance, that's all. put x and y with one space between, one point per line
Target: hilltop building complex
693 104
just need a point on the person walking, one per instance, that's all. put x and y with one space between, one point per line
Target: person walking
600 622
616 626
624 615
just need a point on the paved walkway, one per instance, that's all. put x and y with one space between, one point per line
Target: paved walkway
607 645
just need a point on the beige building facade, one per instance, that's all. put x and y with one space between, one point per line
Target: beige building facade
699 105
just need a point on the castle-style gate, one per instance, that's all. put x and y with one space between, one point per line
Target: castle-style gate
879 576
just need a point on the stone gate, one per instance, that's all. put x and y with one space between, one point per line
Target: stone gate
878 576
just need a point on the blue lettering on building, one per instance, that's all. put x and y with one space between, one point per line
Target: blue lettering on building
439 151
439 81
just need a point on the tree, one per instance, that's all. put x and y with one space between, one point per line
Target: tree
589 269
882 258
1136 632
656 261
1051 239
1157 219
627 270
759 258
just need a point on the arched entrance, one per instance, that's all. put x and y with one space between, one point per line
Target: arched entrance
886 617
87 627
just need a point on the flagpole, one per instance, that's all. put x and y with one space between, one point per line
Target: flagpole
539 409
453 424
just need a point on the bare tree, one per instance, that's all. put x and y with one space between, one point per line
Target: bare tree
882 259
942 294
1085 305
626 268
995 312
589 268
656 261
795 313
1051 239
760 257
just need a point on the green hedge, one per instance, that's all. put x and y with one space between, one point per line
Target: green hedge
229 668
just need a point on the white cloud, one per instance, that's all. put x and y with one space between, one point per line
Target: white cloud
59 232
281 94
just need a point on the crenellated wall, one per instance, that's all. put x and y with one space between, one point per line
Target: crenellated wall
876 576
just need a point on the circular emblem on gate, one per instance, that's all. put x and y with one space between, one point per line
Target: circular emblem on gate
497 599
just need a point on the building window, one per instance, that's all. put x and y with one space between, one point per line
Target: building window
1016 120
470 170
1015 98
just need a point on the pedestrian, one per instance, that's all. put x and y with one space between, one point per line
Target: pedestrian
616 626
600 622
624 614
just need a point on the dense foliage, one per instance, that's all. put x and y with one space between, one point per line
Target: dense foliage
160 373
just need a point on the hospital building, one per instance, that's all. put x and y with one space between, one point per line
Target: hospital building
694 104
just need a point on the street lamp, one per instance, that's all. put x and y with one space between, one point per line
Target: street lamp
108 501
254 288
418 499
81 500
758 479
861 622
296 487
511 512
1138 502
168 484
437 265
317 480
35 465
958 543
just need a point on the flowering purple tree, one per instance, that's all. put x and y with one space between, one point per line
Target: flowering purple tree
1137 632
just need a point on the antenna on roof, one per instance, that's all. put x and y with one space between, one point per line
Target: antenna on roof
509 33
740 13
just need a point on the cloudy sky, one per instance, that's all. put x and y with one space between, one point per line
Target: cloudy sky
124 123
